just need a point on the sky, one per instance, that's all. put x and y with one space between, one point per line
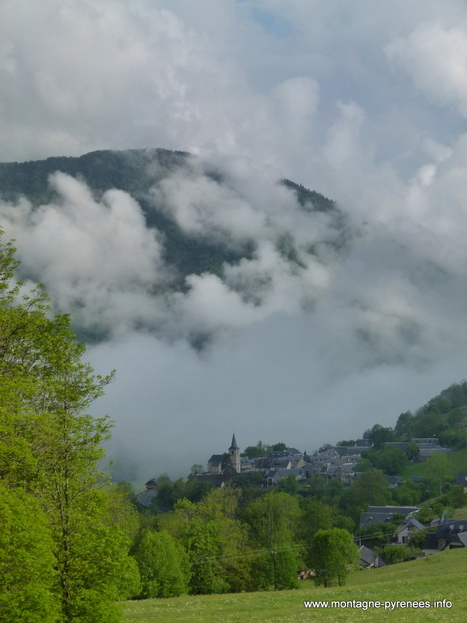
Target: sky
362 101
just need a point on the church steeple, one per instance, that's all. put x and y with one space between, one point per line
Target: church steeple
234 452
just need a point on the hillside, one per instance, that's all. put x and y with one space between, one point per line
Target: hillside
439 577
138 172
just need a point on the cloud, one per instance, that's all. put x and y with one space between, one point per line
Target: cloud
435 58
96 257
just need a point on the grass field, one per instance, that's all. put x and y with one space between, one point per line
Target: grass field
437 577
458 460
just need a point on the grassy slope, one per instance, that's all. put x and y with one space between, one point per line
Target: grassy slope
458 460
442 576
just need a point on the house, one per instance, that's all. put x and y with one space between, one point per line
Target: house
376 514
369 559
146 497
394 482
398 445
452 534
275 476
407 527
283 463
427 452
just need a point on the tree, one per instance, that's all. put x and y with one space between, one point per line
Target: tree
393 554
51 449
256 451
379 434
370 489
163 566
215 540
289 484
273 520
27 575
391 460
315 516
404 425
228 469
334 554
439 470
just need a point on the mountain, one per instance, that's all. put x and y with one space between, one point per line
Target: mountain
136 172
206 221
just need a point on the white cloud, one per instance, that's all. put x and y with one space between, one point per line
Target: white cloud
96 257
436 59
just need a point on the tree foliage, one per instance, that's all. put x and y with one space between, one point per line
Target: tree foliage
50 450
163 565
334 555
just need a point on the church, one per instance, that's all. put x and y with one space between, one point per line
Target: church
215 462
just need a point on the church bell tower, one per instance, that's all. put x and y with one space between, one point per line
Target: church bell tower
234 452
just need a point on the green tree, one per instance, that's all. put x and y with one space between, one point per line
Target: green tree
315 516
393 554
256 451
228 469
334 555
379 434
273 521
215 540
51 449
370 489
391 460
28 579
289 484
404 425
439 470
163 565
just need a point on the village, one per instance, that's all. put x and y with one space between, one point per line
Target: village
339 463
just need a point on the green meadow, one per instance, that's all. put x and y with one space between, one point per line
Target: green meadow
458 461
439 577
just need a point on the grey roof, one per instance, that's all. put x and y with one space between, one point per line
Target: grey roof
405 510
368 557
280 463
429 451
263 463
216 459
349 450
462 479
375 514
233 445
394 481
411 522
450 527
399 445
146 497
